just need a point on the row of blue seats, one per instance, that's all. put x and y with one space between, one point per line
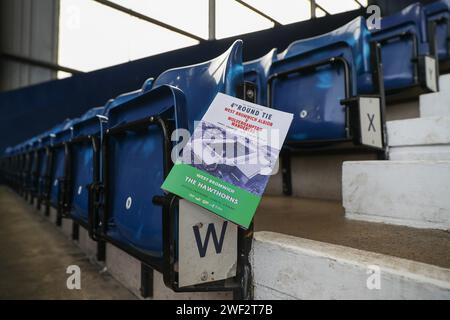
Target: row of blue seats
104 169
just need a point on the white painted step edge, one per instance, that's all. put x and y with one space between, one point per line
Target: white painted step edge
444 83
297 268
424 153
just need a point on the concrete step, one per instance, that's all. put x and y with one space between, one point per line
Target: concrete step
444 82
419 139
308 249
410 193
287 267
127 271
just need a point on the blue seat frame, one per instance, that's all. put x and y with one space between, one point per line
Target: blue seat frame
6 165
14 174
28 158
136 129
438 24
321 80
19 151
39 169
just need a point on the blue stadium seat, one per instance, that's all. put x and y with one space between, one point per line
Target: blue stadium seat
137 147
408 59
16 167
438 23
200 83
256 72
57 164
6 165
314 77
81 166
30 147
39 168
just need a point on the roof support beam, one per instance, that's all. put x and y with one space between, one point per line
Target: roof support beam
149 19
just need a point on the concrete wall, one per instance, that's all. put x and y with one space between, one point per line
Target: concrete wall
30 29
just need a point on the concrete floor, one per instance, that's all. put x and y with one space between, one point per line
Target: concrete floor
34 256
325 221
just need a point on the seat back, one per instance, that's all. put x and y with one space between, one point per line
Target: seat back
201 82
82 163
134 168
20 164
40 163
6 162
438 22
58 137
257 72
